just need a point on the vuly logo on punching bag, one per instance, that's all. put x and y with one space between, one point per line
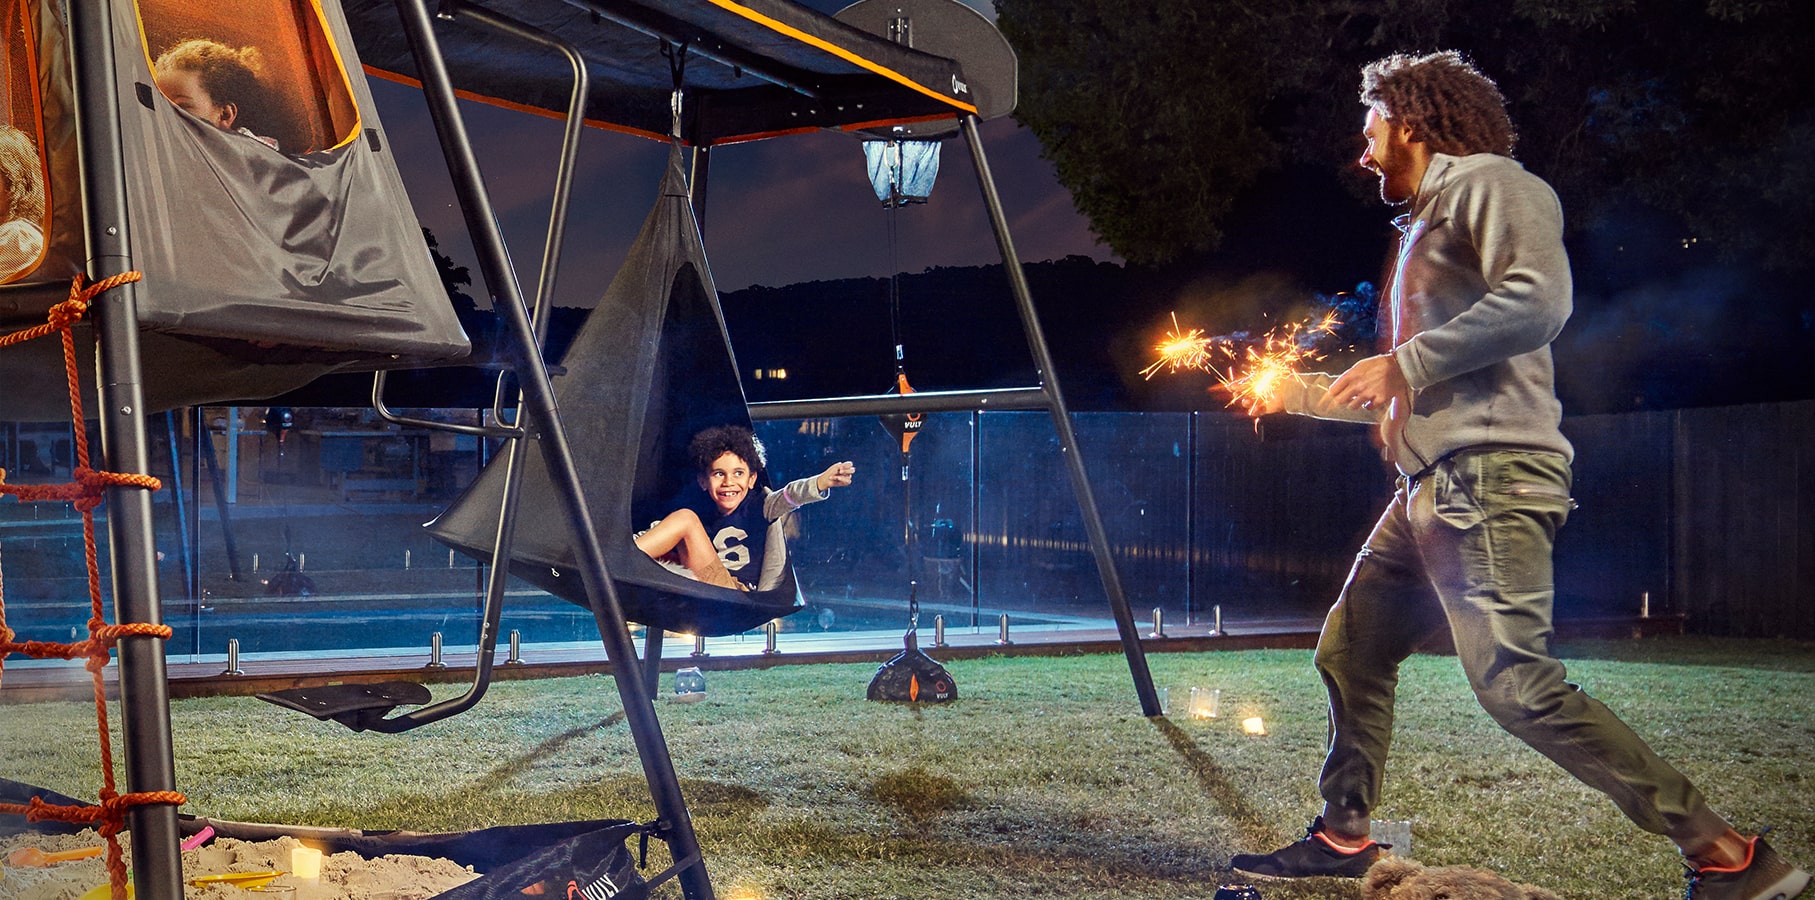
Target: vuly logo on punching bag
912 677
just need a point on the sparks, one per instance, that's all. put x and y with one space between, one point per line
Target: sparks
1254 368
1182 350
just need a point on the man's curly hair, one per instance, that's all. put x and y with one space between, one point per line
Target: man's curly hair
1449 104
707 446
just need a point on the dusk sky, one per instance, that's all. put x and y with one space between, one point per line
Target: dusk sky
781 211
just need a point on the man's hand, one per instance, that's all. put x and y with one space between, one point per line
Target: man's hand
1372 384
838 475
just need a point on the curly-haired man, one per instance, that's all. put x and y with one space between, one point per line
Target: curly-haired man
1468 412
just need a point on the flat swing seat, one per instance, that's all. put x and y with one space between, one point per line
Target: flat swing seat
357 706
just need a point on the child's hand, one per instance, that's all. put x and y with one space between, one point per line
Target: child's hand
839 475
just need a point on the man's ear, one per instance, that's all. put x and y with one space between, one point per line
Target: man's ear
1409 133
701 480
226 115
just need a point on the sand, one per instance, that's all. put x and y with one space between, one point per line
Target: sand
343 875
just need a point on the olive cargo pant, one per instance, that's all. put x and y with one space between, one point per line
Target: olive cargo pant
1470 542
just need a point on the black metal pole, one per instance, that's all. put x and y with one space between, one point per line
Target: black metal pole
1068 442
652 657
696 185
157 866
205 449
539 403
976 517
191 586
900 404
1190 516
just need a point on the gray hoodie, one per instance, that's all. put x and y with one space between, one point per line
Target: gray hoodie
1480 287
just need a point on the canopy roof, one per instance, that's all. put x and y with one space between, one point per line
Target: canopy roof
754 68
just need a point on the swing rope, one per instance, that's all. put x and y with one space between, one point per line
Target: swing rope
85 492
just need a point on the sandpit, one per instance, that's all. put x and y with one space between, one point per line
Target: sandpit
343 875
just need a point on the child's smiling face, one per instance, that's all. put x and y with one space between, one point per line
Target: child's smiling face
727 480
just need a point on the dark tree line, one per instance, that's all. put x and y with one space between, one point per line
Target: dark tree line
1159 115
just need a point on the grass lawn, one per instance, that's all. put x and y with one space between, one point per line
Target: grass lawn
1042 781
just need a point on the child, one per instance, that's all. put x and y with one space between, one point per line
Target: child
21 204
734 541
220 85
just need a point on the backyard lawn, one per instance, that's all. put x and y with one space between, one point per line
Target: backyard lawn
1042 780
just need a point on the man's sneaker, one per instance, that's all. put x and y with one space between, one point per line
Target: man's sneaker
1765 876
1315 855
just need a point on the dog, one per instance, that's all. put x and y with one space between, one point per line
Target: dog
1393 878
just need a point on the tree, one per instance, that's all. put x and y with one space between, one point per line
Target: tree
1159 114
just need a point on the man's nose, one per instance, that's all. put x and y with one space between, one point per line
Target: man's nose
1367 161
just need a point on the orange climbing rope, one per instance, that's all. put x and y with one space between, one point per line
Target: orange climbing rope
85 491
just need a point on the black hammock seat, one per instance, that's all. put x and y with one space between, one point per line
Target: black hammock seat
651 366
264 268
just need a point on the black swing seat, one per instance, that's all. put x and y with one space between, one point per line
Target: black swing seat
651 367
357 706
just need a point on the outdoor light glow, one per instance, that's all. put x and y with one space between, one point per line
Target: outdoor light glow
1254 725
305 862
1205 703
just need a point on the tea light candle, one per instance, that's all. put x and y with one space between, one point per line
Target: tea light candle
1206 703
305 862
1254 725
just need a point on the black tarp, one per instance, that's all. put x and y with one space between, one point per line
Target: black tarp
651 367
858 80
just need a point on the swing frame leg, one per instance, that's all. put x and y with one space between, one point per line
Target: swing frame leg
675 823
157 866
1068 440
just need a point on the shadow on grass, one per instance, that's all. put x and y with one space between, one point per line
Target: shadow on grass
1086 858
919 795
1253 829
511 768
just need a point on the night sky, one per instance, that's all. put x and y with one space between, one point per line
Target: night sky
778 212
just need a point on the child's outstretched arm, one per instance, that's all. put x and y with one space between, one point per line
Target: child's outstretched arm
802 491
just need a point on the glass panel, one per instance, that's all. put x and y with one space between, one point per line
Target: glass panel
1281 510
851 552
1039 561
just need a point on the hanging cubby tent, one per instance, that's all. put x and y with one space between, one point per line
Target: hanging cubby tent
264 207
651 366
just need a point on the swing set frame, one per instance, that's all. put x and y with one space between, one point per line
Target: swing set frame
145 713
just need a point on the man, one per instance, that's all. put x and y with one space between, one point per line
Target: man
1469 414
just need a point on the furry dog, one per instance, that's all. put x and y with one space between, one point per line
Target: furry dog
1393 878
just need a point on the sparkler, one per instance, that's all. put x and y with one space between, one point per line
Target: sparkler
1250 369
1183 350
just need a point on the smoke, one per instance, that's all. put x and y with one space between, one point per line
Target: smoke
1685 338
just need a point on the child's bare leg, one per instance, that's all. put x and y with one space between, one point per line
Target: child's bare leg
682 534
